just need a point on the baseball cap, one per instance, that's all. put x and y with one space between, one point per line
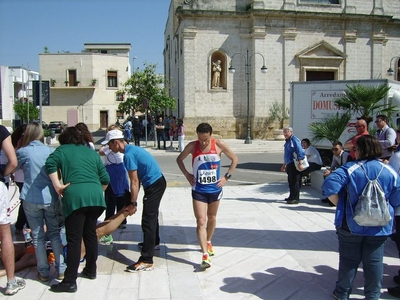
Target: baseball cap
112 135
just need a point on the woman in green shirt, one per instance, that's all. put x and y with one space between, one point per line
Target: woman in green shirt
84 178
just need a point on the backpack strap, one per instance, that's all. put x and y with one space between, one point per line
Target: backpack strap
365 173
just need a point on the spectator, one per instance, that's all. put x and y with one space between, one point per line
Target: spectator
160 133
128 129
40 200
87 136
313 157
361 243
142 169
361 129
181 135
292 147
339 159
115 191
18 177
385 135
136 130
6 243
84 179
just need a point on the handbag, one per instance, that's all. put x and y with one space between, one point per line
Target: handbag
304 163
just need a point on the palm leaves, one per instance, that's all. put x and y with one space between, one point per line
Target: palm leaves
330 129
365 100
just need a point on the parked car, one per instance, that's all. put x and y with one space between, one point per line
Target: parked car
57 126
45 125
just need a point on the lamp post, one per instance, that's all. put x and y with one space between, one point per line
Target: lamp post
133 64
248 78
390 70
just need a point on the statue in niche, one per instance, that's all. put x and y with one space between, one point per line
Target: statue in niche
216 74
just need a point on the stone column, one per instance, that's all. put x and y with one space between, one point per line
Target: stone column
350 37
288 63
258 79
188 71
378 41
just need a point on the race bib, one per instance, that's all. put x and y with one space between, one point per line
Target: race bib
207 176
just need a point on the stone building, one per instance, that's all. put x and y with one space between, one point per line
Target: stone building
297 40
83 86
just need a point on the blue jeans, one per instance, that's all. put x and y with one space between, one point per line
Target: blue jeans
38 215
354 249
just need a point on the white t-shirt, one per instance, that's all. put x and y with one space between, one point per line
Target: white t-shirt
313 155
112 157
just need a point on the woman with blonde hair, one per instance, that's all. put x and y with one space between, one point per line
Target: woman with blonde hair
40 200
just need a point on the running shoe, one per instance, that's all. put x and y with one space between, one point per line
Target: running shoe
210 249
206 262
14 287
140 266
107 239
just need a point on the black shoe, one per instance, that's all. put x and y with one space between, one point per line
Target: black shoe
87 275
394 291
396 279
63 288
325 200
293 201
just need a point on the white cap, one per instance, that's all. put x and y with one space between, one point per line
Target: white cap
113 135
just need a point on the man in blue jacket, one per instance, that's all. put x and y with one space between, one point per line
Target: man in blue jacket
292 148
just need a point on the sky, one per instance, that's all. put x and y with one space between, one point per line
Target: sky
27 26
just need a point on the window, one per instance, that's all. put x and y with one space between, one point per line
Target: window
319 1
112 79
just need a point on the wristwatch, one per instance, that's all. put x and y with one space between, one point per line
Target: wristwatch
228 176
134 203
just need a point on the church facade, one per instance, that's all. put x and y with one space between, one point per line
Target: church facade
295 40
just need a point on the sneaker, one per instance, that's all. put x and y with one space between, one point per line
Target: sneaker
156 247
394 291
14 287
140 266
206 262
107 239
60 276
210 249
42 278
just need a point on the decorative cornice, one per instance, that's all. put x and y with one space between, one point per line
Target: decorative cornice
289 33
259 32
189 32
350 36
379 38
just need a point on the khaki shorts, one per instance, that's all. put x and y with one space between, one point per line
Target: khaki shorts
4 205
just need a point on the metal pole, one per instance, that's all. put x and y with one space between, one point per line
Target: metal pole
27 98
40 100
247 70
145 127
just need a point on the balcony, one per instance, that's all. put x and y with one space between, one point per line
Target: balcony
63 84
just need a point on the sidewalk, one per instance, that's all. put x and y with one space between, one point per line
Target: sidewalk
265 249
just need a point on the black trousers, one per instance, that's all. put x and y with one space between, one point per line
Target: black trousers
150 227
81 224
294 177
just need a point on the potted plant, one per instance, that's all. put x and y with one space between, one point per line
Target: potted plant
77 82
66 82
277 111
52 82
94 80
47 136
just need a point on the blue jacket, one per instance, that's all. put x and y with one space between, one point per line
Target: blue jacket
37 187
293 145
351 176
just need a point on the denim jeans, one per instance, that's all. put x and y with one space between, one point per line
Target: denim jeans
38 215
354 249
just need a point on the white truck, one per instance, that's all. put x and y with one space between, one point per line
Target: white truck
313 101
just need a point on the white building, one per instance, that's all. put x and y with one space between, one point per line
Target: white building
15 84
84 85
298 40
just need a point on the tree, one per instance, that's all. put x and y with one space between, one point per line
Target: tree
330 128
147 85
365 101
278 111
25 108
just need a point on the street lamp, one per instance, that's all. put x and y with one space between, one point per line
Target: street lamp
133 64
248 75
390 70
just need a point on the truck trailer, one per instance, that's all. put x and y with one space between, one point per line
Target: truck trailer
313 101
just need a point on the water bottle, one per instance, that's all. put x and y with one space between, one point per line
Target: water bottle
27 235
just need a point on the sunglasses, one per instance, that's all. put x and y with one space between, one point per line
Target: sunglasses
335 149
378 121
